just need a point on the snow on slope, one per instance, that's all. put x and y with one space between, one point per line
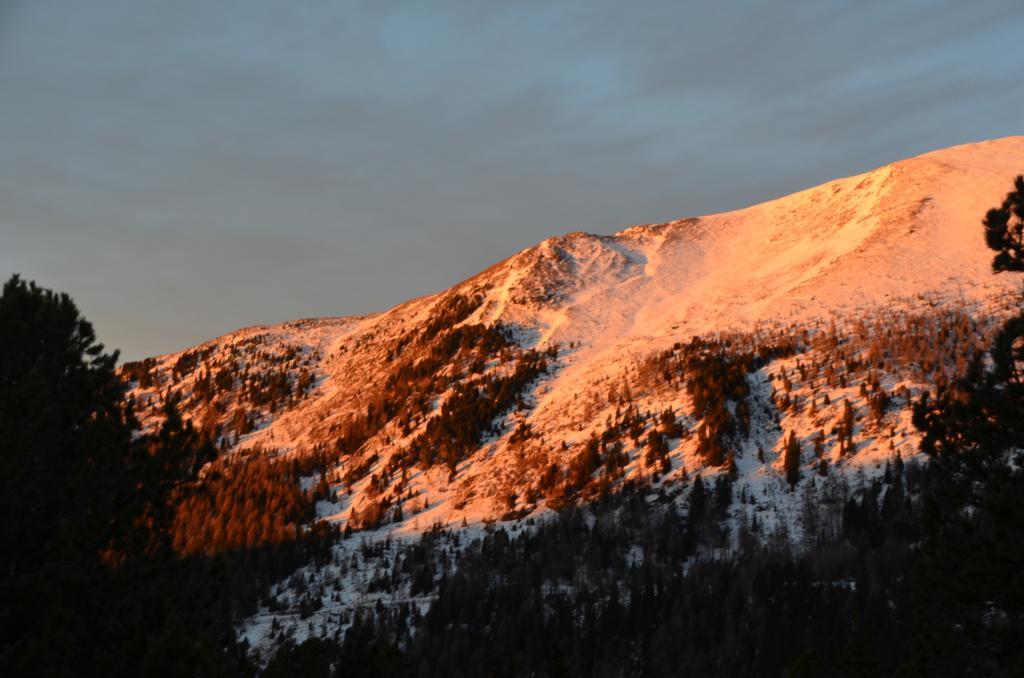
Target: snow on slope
899 237
905 228
866 274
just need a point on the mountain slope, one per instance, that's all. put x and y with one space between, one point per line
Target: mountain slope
569 340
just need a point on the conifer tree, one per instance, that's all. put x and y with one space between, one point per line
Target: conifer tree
791 460
63 425
83 507
1004 230
973 431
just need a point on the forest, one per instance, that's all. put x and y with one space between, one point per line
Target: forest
130 551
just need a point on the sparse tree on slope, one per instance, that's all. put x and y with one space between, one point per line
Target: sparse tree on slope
791 460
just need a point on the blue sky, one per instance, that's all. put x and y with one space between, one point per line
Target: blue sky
184 168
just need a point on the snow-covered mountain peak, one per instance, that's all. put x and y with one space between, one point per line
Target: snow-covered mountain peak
482 400
902 229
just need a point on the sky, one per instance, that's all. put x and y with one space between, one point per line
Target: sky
184 168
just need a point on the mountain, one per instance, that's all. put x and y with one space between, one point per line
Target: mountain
896 240
778 345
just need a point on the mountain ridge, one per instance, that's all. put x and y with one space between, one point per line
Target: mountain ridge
899 239
1012 146
775 352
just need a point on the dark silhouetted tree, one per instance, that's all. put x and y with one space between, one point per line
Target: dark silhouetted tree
64 432
1004 230
86 580
971 609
